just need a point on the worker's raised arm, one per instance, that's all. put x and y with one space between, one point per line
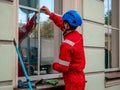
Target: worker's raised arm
54 17
27 28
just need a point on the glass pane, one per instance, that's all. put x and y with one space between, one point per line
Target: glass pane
28 40
112 13
46 39
29 3
111 35
107 48
114 48
107 11
111 48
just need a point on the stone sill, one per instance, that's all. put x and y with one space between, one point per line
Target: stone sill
112 78
59 86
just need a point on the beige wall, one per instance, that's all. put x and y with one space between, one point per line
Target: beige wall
7 51
92 30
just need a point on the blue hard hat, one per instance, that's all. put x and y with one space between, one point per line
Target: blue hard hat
73 18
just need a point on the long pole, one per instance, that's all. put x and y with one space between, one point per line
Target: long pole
23 66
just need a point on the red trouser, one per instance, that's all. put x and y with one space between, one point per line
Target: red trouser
20 70
74 80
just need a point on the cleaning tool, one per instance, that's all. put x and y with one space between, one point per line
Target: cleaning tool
43 81
23 66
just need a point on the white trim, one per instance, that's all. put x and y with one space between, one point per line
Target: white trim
110 27
112 69
30 8
63 62
38 77
69 42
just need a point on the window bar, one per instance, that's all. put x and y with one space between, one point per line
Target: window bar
108 37
39 43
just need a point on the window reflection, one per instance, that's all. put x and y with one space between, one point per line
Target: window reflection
46 39
112 34
38 46
28 42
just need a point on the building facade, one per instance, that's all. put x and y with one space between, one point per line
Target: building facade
100 30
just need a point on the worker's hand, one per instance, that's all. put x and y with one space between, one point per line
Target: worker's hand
45 10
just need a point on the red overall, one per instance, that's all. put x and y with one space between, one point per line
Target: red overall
72 58
22 34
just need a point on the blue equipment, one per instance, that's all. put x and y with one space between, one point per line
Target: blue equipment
73 17
23 66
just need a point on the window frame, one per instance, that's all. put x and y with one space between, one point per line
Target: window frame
113 71
58 9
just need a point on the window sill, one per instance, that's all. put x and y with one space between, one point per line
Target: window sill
112 83
112 78
59 86
50 87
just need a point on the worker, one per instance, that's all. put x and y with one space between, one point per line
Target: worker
71 56
23 33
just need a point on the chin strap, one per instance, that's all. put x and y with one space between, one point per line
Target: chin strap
66 30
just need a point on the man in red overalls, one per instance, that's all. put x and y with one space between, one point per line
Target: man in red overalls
72 57
26 30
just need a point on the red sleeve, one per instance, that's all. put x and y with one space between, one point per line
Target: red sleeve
30 24
57 20
26 29
60 68
21 35
65 58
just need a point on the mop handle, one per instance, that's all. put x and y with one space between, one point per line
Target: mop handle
23 66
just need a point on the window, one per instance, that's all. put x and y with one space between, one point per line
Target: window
40 48
112 34
46 39
111 39
29 44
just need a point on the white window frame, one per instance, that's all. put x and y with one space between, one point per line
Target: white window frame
57 39
111 70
